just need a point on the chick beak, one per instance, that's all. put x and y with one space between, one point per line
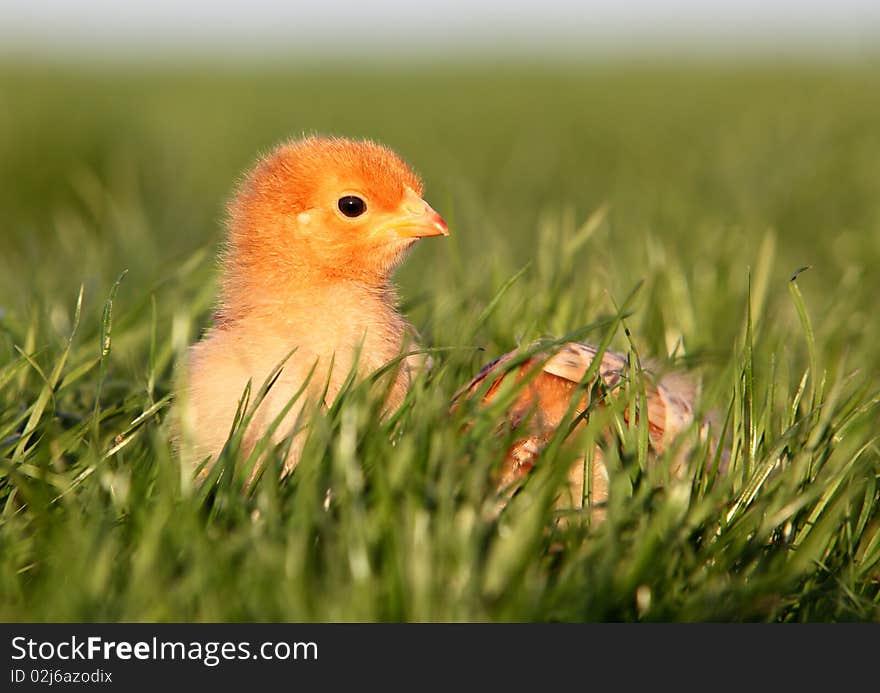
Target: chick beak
415 218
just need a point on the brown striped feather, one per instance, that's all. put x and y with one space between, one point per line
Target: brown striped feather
545 399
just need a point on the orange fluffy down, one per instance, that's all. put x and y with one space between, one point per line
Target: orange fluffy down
296 274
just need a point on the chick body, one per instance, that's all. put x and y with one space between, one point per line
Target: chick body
328 332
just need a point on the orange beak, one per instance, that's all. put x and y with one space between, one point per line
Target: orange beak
415 219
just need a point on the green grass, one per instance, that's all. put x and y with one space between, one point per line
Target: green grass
710 185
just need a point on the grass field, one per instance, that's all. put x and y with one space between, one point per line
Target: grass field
706 187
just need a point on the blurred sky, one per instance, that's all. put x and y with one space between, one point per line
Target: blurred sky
385 28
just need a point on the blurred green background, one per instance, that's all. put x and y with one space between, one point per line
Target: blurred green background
107 169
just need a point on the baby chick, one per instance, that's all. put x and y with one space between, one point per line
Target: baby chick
314 234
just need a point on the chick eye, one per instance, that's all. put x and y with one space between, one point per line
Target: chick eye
352 206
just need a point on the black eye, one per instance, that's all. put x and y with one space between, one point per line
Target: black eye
352 206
